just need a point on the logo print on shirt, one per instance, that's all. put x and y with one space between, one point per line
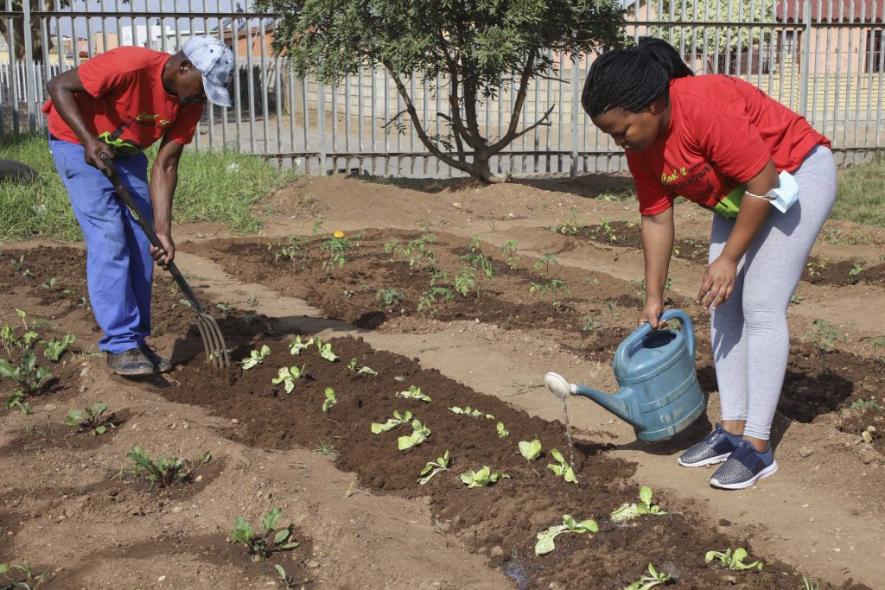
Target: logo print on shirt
148 119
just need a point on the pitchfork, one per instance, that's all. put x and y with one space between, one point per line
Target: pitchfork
213 341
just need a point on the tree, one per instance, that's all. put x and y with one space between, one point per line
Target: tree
17 43
477 47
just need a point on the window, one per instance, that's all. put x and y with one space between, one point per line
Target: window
874 58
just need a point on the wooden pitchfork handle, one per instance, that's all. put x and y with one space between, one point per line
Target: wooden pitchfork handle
126 197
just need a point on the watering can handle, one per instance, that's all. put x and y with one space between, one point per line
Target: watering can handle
629 346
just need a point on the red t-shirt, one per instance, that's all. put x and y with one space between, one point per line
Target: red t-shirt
722 132
125 103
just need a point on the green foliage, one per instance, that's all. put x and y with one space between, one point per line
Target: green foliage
561 468
163 471
825 335
863 405
256 357
465 281
434 467
288 582
292 249
391 423
420 433
860 197
91 419
352 370
728 39
501 430
530 450
653 579
287 376
570 226
472 412
476 259
432 295
20 364
544 262
269 540
26 579
388 296
508 251
733 560
855 272
325 350
545 539
482 478
554 286
644 507
337 247
414 392
55 348
415 251
331 399
298 345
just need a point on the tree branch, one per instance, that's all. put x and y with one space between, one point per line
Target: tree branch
458 143
524 79
502 144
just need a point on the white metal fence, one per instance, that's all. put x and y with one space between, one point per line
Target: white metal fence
822 58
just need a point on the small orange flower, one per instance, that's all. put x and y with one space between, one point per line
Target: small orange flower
338 234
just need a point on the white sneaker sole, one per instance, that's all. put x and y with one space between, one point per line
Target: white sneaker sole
770 470
705 462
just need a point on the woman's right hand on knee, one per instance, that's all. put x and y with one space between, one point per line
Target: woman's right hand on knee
651 313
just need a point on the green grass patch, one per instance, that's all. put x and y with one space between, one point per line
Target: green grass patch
221 187
861 194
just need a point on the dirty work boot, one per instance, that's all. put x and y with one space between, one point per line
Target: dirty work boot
129 363
161 365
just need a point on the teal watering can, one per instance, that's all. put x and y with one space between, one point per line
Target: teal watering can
659 393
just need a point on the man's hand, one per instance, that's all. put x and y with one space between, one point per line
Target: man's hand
718 282
94 153
165 255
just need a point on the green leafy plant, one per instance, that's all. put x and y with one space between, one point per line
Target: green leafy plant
420 433
561 468
608 231
465 281
287 376
855 273
298 345
92 419
256 357
434 294
570 226
810 583
330 400
508 251
733 560
325 350
653 579
28 375
472 412
337 246
414 251
589 325
269 540
164 472
866 405
475 258
530 450
55 348
388 296
545 542
288 582
644 507
502 430
27 580
391 423
414 392
482 478
432 468
291 250
326 448
544 262
351 369
826 335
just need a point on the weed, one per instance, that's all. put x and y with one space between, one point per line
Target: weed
553 286
545 539
810 583
482 478
287 376
826 335
331 399
508 251
863 405
326 448
50 284
530 450
654 578
561 468
91 419
256 357
432 468
269 540
733 561
414 392
796 299
388 297
164 472
644 507
252 301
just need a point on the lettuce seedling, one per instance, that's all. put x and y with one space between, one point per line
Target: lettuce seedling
269 541
325 350
162 471
482 478
433 467
288 376
330 400
643 508
502 430
545 539
298 345
351 369
392 423
654 578
92 419
418 436
414 392
56 347
530 450
733 561
472 412
256 357
562 468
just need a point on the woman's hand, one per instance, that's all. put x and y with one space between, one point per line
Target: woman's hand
651 313
718 282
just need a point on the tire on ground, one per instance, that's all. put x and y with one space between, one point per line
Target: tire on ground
12 171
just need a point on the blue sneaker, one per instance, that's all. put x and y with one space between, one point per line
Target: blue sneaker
744 467
715 448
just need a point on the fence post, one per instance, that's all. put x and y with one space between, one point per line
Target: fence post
806 58
30 86
576 101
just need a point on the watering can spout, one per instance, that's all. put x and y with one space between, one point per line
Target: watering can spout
561 388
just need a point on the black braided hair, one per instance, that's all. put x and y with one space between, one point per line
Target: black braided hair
632 78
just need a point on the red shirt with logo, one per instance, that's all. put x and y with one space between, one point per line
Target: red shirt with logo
125 103
722 132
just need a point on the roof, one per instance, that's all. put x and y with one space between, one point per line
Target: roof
831 10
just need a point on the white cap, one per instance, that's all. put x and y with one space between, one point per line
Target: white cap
216 62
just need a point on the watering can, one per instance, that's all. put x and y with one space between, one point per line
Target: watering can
655 369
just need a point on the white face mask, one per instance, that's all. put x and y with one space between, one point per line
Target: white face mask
783 196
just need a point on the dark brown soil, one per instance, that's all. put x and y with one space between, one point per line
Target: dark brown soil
506 515
60 436
845 272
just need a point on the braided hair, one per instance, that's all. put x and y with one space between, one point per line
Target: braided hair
632 78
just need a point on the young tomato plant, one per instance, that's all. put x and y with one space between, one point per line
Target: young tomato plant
55 348
337 246
91 419
475 258
388 296
653 579
465 281
298 345
269 540
509 253
419 434
434 467
644 507
561 468
544 262
391 423
733 560
414 392
288 376
164 472
256 357
530 450
545 539
482 478
330 400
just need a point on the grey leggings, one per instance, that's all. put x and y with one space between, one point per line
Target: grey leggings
751 341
